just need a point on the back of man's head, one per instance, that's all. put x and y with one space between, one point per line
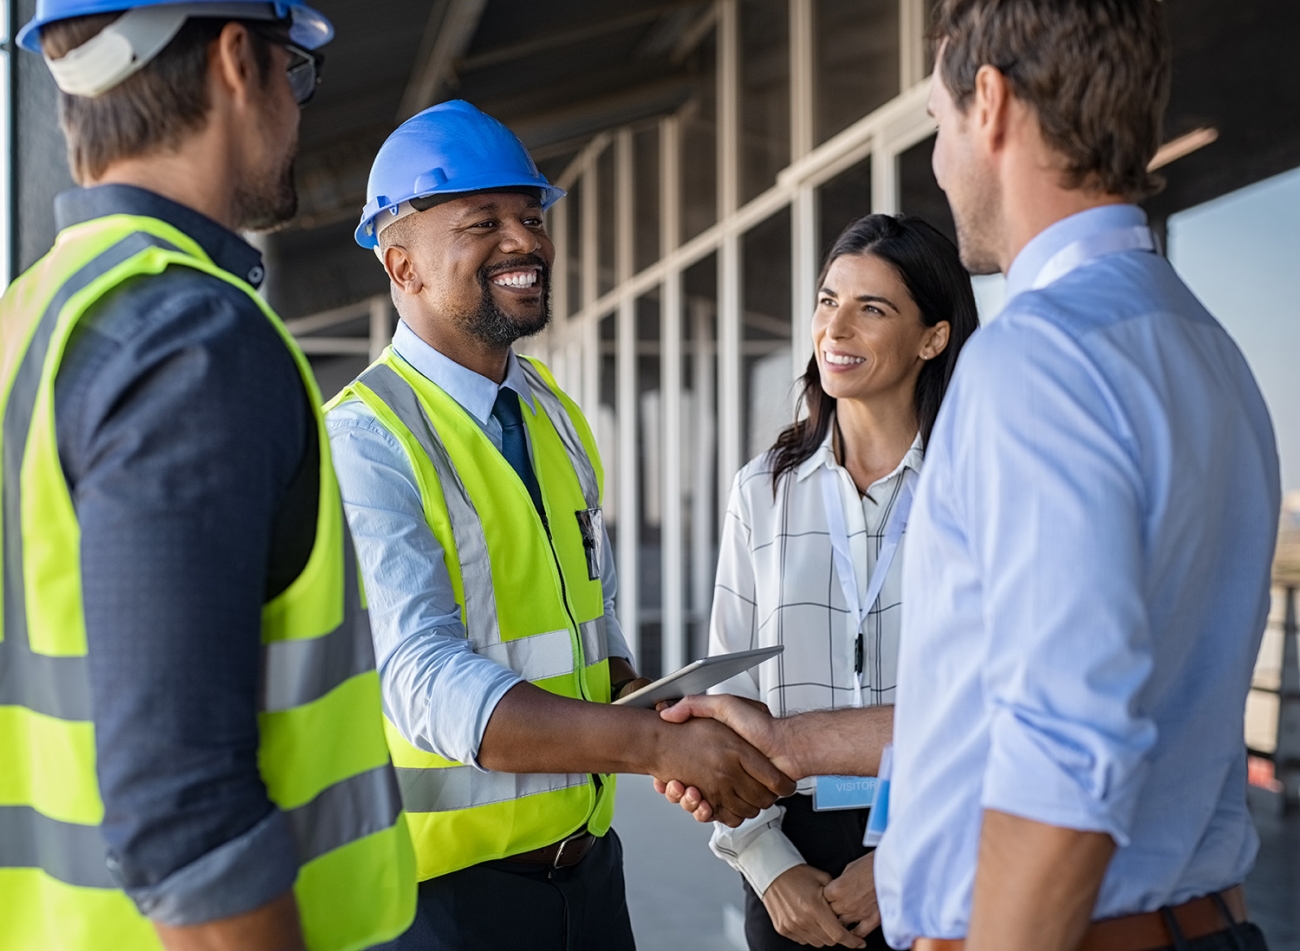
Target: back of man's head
150 111
1095 72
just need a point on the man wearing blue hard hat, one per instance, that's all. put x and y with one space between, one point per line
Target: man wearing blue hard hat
473 487
191 743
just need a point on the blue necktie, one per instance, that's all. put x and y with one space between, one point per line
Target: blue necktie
514 442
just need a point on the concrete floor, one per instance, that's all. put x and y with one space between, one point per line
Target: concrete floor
681 897
1273 888
678 893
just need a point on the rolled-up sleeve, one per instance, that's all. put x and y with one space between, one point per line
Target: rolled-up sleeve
1057 529
614 638
436 690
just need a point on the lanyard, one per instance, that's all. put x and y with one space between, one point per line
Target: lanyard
1072 256
859 608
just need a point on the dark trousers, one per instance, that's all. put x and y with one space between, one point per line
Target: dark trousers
515 906
1242 937
828 841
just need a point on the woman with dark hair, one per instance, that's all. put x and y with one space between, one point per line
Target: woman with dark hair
810 558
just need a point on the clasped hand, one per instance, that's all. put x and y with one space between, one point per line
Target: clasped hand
752 721
721 768
808 906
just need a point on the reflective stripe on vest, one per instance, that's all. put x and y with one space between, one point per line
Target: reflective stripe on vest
55 686
294 672
345 812
318 685
559 418
466 526
540 655
462 787
529 599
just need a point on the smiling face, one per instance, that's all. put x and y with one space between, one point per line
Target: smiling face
481 262
867 331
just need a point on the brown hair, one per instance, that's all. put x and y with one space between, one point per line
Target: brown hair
1096 72
928 264
155 109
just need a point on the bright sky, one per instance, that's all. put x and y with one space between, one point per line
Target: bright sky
1241 255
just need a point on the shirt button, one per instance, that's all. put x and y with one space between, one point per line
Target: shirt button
256 274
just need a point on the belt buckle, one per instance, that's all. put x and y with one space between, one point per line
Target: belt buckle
564 845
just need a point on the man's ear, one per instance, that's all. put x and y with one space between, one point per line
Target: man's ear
232 64
990 107
402 270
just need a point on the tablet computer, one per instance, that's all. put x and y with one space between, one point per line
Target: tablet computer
697 677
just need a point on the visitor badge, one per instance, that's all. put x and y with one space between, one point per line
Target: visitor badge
878 818
843 792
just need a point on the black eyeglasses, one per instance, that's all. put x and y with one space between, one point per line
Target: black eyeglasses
305 66
304 71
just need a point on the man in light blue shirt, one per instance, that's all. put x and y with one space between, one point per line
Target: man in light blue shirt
1087 576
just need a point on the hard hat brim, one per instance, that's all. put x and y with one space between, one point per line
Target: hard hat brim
310 28
367 236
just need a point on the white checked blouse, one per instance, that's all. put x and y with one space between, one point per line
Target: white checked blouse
776 584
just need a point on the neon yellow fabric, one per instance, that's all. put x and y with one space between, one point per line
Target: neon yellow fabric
356 883
539 585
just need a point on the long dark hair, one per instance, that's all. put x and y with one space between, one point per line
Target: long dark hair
930 269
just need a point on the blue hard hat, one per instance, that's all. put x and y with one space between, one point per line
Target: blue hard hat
447 149
309 29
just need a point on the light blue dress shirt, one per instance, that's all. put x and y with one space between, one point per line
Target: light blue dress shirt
436 690
1085 588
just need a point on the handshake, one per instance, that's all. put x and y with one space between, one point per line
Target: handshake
728 760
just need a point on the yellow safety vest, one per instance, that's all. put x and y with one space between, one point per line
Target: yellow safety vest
530 597
322 754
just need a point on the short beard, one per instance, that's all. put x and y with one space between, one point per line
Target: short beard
270 203
977 227
493 326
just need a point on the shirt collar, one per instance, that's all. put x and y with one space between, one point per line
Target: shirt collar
824 455
474 392
227 250
1044 246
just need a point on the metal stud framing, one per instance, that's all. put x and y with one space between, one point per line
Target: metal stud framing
573 345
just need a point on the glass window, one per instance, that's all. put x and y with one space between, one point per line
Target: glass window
571 208
764 94
1238 254
856 61
700 447
918 193
699 142
606 222
645 199
767 383
606 422
845 198
650 460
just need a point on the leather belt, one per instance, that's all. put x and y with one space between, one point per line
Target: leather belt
1147 931
563 854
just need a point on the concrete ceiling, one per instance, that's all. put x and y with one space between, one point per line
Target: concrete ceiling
560 72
